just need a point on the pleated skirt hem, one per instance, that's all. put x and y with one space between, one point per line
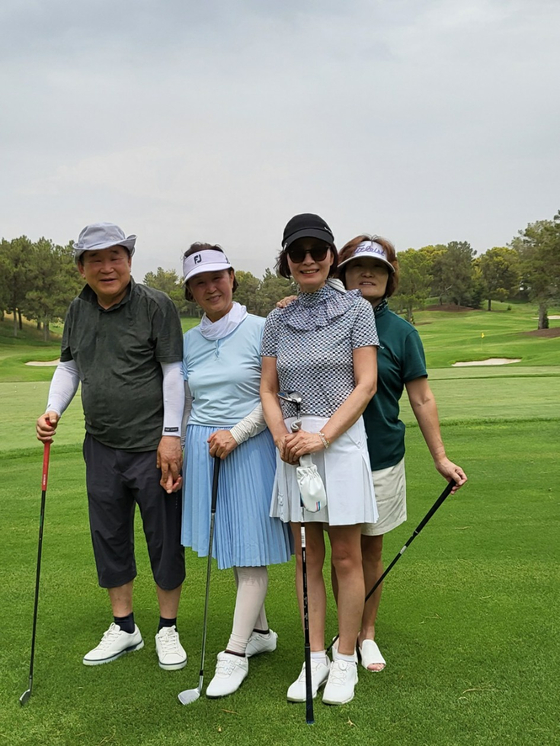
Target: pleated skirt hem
245 535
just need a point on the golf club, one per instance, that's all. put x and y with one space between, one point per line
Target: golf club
46 453
446 492
191 695
295 398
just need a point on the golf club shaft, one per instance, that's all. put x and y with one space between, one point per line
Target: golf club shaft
217 464
295 398
46 455
309 717
446 492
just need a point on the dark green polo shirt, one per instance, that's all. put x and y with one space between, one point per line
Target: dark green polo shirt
118 352
400 359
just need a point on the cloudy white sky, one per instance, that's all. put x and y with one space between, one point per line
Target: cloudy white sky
422 120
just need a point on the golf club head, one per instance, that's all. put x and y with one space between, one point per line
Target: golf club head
25 697
188 696
291 396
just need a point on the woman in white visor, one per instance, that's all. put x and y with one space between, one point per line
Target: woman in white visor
222 371
369 264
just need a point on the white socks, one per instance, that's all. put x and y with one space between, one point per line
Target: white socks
320 655
252 584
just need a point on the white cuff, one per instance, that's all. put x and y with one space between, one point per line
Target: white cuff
186 412
249 426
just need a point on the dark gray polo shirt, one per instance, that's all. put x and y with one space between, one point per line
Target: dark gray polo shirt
118 352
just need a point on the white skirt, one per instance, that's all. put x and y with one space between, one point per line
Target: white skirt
390 494
346 473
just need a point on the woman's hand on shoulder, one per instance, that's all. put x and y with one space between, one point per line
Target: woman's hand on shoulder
300 443
221 443
286 301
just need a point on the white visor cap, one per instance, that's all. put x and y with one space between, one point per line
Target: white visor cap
208 260
370 249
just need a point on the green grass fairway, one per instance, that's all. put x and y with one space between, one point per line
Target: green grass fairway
469 622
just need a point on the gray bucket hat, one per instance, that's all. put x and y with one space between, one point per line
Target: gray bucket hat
98 236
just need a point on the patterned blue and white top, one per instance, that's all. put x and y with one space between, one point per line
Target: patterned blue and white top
312 340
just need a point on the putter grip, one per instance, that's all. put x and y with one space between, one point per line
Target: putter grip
215 476
46 455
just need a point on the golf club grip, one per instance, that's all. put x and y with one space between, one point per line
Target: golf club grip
217 464
46 456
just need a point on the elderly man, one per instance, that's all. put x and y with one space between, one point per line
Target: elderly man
123 343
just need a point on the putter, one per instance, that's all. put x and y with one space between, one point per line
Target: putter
295 398
188 696
445 494
46 453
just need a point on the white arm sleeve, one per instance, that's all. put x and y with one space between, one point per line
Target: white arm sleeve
186 413
249 426
64 385
173 398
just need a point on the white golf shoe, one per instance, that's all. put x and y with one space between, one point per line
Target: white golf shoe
319 674
114 643
171 654
231 670
259 643
343 677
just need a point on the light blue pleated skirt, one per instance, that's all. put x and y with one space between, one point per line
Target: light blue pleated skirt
244 533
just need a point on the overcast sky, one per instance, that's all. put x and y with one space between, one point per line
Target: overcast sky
425 121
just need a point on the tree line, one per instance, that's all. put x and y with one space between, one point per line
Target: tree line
39 279
527 269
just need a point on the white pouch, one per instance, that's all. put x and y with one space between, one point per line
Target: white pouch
311 487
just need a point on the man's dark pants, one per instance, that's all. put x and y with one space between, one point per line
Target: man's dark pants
117 481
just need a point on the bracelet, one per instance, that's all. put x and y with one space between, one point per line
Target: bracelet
326 441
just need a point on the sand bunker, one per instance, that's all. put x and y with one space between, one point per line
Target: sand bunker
490 361
42 363
550 317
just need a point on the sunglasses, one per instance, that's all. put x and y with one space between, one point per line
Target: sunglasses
318 253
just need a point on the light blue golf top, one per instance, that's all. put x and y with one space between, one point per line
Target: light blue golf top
224 375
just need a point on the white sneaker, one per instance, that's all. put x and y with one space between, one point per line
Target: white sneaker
231 670
259 643
171 654
319 674
114 643
343 677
